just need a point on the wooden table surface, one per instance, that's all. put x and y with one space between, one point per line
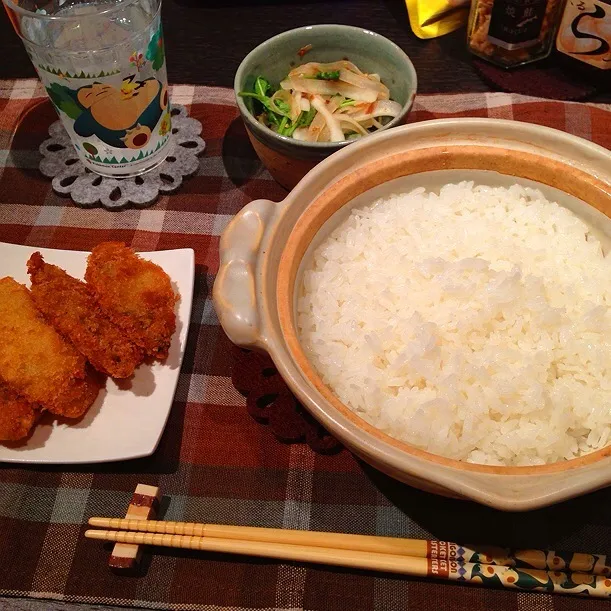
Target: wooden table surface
207 39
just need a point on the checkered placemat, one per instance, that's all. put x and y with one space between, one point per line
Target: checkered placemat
215 463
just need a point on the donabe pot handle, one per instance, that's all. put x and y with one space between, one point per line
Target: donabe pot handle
235 288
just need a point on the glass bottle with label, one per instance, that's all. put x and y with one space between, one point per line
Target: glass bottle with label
584 40
513 32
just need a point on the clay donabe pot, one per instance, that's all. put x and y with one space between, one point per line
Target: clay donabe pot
263 249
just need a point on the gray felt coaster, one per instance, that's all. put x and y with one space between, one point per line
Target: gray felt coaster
61 163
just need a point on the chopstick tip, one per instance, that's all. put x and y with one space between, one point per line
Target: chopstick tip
96 534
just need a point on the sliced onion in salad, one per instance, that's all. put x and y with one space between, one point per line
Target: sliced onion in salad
383 108
330 102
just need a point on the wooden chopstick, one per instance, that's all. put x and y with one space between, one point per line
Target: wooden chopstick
467 572
595 564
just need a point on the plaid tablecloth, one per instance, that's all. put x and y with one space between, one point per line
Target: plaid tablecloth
214 462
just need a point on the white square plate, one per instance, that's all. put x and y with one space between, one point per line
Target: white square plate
123 422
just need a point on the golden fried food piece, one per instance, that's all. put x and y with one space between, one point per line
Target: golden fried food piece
17 416
135 294
70 306
36 361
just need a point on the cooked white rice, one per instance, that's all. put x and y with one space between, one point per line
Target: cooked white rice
473 323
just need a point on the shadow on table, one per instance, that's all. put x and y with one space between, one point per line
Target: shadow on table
246 3
32 129
239 157
581 524
398 9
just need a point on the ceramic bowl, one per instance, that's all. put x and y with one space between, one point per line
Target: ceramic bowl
289 160
263 249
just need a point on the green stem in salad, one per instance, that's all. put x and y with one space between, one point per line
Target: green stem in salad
303 120
282 126
332 75
262 86
277 112
279 108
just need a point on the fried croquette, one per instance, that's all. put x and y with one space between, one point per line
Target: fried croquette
17 416
135 294
70 306
36 361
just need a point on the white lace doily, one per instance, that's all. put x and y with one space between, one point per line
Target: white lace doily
70 177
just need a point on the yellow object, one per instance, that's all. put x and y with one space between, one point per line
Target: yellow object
432 18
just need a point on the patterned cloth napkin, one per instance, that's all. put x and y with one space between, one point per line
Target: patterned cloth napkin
217 464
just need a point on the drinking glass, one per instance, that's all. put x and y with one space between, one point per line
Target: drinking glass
102 63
